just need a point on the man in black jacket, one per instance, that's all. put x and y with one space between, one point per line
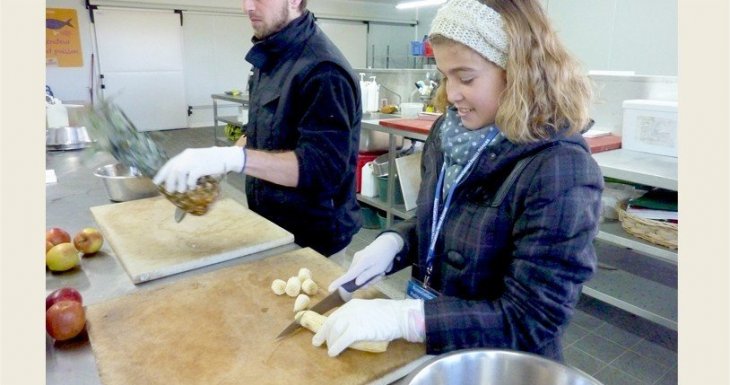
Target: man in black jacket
302 135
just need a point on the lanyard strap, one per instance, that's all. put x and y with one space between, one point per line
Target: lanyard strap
438 216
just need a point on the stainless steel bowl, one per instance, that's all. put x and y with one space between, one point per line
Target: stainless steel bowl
496 367
67 138
380 165
124 183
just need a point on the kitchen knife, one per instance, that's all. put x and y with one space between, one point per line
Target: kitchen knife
179 214
331 301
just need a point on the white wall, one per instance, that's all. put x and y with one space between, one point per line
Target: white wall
620 35
614 35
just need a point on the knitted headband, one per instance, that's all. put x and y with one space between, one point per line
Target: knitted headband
475 25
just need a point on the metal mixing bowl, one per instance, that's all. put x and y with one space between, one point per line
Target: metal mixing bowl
124 183
496 367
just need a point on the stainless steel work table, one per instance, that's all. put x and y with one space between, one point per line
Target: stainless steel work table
101 276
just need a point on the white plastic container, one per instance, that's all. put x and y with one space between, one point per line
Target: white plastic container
56 113
410 110
373 95
650 126
368 187
363 92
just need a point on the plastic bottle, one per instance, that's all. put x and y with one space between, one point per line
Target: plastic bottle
373 94
363 92
368 181
427 49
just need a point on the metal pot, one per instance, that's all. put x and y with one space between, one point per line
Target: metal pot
67 138
493 366
125 183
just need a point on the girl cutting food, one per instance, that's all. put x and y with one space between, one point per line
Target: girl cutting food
509 201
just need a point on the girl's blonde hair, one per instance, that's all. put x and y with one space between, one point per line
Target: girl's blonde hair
546 89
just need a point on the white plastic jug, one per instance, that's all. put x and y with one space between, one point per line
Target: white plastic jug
56 113
363 92
373 95
367 187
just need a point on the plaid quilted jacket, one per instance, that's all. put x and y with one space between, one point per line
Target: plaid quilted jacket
510 270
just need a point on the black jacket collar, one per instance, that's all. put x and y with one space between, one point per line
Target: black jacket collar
270 50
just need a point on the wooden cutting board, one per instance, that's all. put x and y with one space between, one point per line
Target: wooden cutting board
221 327
150 244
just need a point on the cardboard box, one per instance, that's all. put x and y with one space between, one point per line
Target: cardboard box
650 126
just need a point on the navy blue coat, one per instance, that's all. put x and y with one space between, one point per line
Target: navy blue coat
304 97
511 271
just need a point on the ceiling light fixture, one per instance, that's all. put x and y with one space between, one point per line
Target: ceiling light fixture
419 3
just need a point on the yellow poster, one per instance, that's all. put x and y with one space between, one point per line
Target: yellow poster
63 45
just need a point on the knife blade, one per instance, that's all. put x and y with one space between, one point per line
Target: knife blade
330 302
179 214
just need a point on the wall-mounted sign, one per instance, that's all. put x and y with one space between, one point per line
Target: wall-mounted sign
63 45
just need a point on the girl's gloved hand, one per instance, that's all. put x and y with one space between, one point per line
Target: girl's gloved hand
375 259
372 320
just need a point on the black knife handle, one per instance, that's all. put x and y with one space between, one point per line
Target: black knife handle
351 286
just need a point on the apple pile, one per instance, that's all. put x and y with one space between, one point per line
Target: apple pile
62 252
65 316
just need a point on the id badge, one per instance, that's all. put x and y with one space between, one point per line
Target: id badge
416 290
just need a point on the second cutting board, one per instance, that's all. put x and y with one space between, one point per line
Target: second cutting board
220 328
150 244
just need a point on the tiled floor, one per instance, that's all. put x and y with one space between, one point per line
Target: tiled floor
613 346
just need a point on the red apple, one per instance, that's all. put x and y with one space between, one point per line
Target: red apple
65 320
62 257
89 240
49 245
57 235
63 294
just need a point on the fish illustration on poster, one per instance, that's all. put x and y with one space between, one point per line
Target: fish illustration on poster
63 44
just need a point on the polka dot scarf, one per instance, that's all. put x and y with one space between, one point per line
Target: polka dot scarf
459 144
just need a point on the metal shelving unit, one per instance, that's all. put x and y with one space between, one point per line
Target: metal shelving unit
219 136
628 290
392 210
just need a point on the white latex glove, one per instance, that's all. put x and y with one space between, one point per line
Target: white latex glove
375 259
182 171
372 320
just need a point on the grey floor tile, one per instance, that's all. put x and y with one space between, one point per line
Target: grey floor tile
599 347
656 352
343 260
356 245
579 359
640 367
669 378
641 327
586 321
612 376
618 335
573 334
367 235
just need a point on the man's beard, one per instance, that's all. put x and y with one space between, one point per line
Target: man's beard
277 24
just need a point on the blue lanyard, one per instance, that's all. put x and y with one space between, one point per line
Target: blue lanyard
438 218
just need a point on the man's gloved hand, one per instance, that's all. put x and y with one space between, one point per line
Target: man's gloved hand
182 171
375 259
372 320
